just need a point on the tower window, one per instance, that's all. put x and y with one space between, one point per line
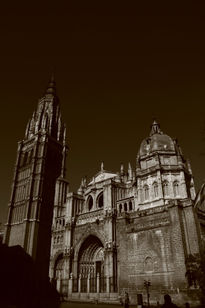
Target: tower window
130 206
155 187
120 208
176 188
25 158
22 159
146 192
166 188
30 156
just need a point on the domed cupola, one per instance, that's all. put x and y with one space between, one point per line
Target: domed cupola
156 142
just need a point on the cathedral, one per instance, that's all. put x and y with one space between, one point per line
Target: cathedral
120 231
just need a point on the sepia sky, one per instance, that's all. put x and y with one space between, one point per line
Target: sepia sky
117 67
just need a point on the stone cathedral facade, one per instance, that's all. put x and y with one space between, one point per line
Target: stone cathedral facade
119 229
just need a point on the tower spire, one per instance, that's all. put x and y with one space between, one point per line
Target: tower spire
51 88
43 158
129 171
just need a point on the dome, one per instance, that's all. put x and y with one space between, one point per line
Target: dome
157 141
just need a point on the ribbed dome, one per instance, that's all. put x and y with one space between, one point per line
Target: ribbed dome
157 141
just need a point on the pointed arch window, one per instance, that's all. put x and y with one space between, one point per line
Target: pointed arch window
146 192
100 201
148 264
90 202
155 188
166 188
120 208
176 188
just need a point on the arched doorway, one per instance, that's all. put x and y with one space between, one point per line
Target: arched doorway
91 258
58 271
91 265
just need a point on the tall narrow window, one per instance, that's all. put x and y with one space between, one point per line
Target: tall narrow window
176 188
120 208
125 207
166 188
25 158
30 156
146 192
130 206
155 187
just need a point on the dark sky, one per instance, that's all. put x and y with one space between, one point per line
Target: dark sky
116 68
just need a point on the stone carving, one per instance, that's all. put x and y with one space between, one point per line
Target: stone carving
68 252
70 224
110 246
110 213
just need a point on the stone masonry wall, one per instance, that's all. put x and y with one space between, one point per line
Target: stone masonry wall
151 248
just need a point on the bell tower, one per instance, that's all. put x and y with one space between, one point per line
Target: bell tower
40 161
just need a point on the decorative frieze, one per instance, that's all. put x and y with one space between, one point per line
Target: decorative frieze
89 217
147 225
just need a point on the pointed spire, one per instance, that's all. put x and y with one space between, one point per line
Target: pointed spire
85 181
28 128
155 128
51 88
129 172
122 169
102 166
64 134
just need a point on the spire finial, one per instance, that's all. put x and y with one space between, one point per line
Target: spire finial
121 169
51 88
155 128
102 166
129 171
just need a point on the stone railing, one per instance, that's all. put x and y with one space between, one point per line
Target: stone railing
89 217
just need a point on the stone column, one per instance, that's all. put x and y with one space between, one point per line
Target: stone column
88 283
75 267
58 285
70 284
79 283
98 283
107 284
